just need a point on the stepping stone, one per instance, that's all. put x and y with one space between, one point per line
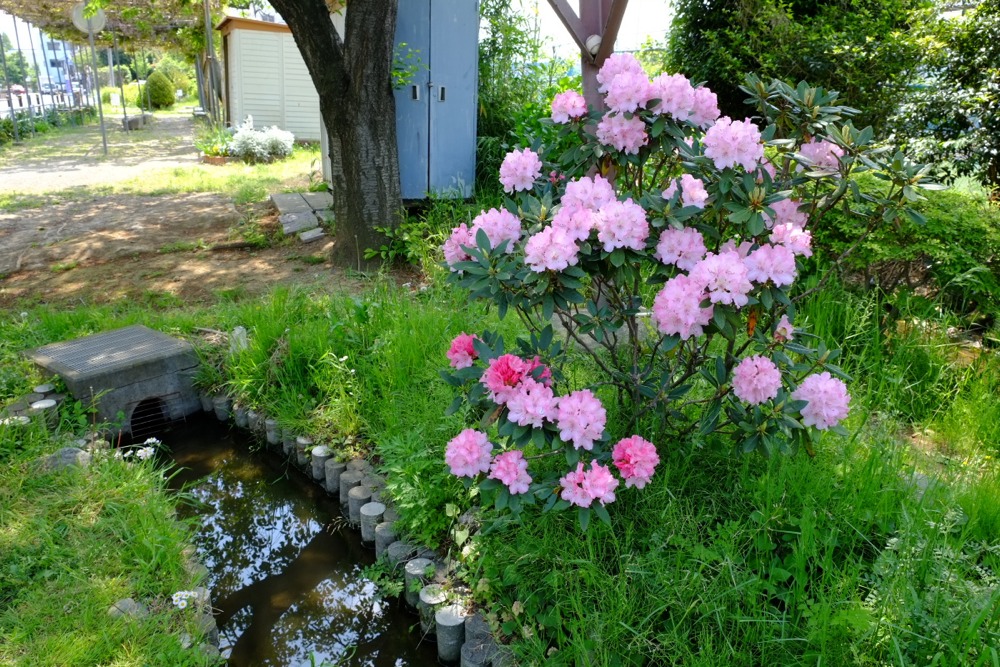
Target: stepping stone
292 223
325 217
66 457
128 608
290 203
311 235
318 200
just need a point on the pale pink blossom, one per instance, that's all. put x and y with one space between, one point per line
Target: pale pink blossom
531 404
568 104
676 95
756 380
589 193
627 135
822 154
627 92
572 487
500 225
462 352
796 239
551 249
511 470
706 108
622 224
786 212
693 191
724 276
503 375
677 308
581 418
468 453
783 330
771 262
599 483
615 65
519 170
827 400
576 222
461 236
742 249
681 247
734 142
766 166
636 459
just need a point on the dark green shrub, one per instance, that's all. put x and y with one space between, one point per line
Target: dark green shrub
158 93
954 254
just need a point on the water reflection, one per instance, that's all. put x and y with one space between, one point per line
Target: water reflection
285 575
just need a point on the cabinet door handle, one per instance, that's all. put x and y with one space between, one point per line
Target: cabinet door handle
415 93
441 94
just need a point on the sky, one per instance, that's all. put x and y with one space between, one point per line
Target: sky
643 18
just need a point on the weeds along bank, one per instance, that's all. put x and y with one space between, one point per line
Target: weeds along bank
76 541
752 560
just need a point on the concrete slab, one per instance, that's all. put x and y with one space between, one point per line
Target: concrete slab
292 223
318 200
290 203
325 217
311 235
119 369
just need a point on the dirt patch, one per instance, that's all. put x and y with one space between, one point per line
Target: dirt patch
167 250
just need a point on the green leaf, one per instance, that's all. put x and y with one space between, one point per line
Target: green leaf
583 515
617 257
602 513
455 406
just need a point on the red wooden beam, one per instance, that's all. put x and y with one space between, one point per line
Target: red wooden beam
610 33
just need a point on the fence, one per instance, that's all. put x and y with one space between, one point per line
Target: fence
38 103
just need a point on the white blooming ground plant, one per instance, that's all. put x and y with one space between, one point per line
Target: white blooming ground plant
665 245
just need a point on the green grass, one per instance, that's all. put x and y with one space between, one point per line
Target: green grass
74 542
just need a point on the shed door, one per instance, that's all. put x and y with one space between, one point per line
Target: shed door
412 103
454 56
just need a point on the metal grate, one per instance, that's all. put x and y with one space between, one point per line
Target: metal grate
108 352
151 416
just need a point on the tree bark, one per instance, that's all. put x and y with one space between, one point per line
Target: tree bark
353 76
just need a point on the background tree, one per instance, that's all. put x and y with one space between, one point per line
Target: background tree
862 48
953 116
353 76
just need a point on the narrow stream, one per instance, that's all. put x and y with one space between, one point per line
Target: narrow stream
285 568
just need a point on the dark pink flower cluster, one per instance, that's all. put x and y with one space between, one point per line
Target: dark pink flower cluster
582 487
462 352
636 459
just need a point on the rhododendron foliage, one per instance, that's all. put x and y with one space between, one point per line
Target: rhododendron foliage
665 250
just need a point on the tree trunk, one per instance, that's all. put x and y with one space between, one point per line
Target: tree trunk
352 74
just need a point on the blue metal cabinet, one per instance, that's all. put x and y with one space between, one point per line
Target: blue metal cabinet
436 112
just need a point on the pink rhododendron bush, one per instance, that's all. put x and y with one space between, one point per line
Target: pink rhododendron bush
664 248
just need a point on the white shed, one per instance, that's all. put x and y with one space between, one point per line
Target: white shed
266 78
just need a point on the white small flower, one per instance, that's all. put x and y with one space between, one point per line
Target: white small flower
145 453
127 453
152 441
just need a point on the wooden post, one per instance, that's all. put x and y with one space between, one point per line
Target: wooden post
598 25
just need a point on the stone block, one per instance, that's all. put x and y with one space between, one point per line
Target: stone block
293 223
318 200
291 202
311 235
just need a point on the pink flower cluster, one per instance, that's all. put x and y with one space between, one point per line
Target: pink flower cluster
693 191
462 352
734 142
552 249
771 262
622 224
725 277
616 65
676 95
628 91
786 212
627 135
511 470
681 247
827 400
783 330
588 193
706 108
503 376
499 225
577 223
636 459
796 239
581 418
677 308
582 487
566 105
531 404
756 380
823 154
468 453
519 170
